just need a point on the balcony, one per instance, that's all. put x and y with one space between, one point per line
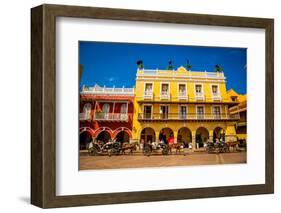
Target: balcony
84 116
185 117
182 95
165 95
148 94
199 96
101 116
96 90
216 97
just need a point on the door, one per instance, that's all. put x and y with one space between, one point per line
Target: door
216 112
105 110
147 112
183 112
200 112
164 111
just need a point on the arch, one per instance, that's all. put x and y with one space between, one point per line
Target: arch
120 129
165 134
99 130
122 136
90 130
218 133
147 134
184 136
84 138
202 136
104 136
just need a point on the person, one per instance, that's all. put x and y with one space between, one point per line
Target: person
90 144
171 140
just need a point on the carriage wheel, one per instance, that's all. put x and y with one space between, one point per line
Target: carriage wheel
93 151
147 151
165 151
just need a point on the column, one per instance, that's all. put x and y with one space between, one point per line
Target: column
175 136
211 136
193 140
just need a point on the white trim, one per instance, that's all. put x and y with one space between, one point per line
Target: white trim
213 106
143 110
152 90
218 96
178 92
167 105
181 80
199 98
168 93
179 110
200 105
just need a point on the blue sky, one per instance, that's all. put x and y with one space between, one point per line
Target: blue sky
114 64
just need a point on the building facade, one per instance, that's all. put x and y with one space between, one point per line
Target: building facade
105 114
241 111
189 106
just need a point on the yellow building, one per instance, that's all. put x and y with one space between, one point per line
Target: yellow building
189 106
241 111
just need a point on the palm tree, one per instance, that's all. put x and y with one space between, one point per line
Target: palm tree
218 68
188 65
140 64
170 65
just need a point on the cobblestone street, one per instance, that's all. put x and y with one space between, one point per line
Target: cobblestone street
138 160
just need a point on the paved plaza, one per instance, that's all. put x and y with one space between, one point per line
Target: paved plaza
138 160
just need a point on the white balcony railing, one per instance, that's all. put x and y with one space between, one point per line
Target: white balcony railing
187 116
101 116
148 94
84 116
199 96
164 95
96 90
182 95
216 97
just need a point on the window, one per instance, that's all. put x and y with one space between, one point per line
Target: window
214 89
183 112
198 89
182 90
217 112
123 109
164 110
234 98
87 108
200 112
147 110
164 88
148 88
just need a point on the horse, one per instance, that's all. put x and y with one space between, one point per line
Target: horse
129 146
177 146
233 145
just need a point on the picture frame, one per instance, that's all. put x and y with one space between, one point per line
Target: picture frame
43 105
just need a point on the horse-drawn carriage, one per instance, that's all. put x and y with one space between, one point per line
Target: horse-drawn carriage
110 148
149 148
218 147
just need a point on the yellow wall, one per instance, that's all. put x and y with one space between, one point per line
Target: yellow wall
174 78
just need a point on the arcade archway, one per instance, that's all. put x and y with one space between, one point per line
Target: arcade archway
84 138
147 134
184 136
202 136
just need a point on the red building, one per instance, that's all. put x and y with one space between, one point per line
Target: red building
106 114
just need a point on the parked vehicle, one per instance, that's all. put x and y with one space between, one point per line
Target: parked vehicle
149 148
110 148
220 147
